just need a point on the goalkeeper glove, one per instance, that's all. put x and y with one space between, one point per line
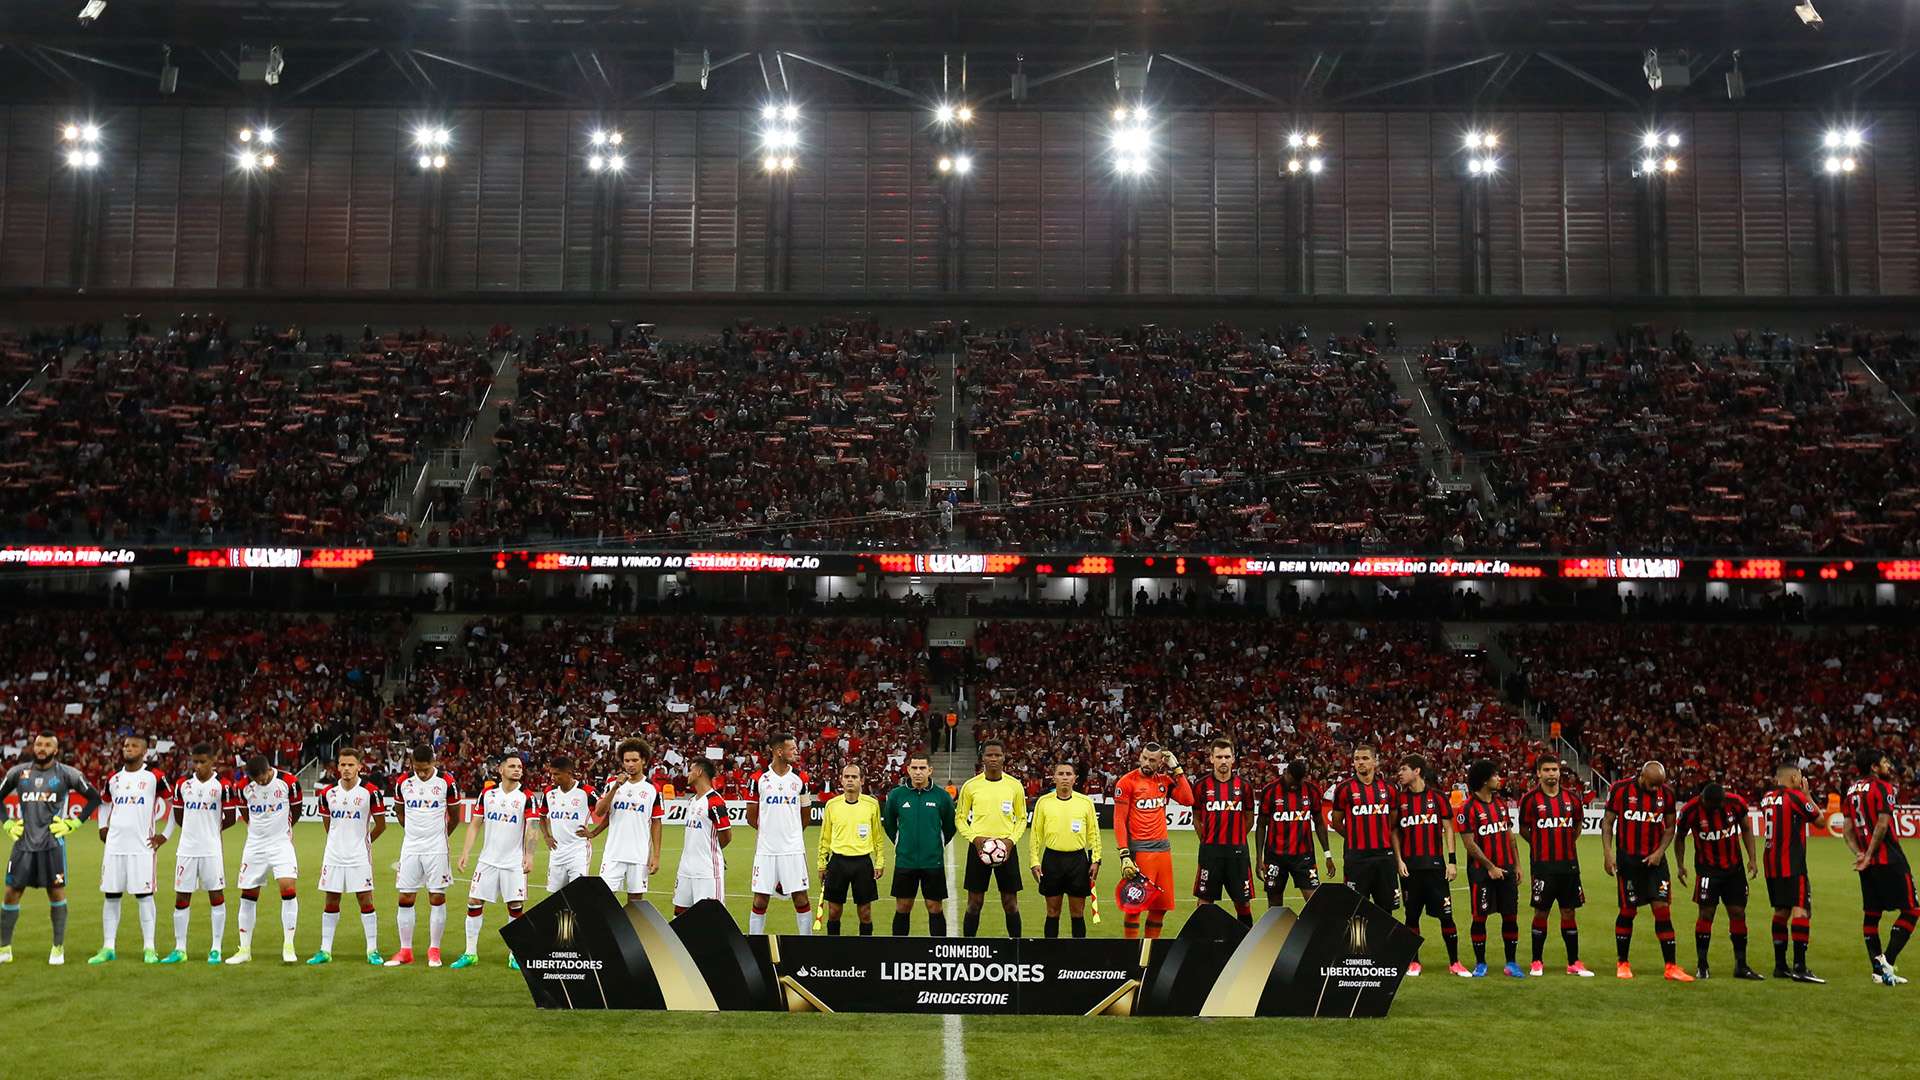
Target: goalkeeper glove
1127 868
64 825
14 828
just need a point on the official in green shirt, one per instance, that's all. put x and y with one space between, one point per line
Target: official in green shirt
918 819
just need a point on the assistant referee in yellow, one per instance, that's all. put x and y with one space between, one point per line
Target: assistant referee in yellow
851 855
1066 849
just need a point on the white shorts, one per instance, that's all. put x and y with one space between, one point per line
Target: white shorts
127 874
497 885
429 871
626 877
779 875
689 891
346 877
199 873
259 864
566 866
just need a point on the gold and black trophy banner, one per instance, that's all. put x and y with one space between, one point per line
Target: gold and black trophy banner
1341 956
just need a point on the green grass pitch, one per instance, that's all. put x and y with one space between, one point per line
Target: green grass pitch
267 1019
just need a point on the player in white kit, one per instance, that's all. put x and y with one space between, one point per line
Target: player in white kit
132 801
630 814
703 870
354 816
777 802
270 801
425 800
203 805
502 812
566 820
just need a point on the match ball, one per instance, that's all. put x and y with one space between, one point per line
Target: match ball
994 851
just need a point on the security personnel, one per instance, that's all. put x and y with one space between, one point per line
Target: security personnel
1066 849
851 855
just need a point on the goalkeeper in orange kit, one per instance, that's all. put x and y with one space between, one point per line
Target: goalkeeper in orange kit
1140 829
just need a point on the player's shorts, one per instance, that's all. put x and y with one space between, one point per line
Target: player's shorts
979 874
1492 897
45 869
564 866
1559 885
1300 869
851 873
127 874
1427 891
260 863
626 877
423 870
1887 888
1376 878
1158 868
1066 873
497 885
779 875
199 873
1641 882
688 891
340 877
931 884
1224 868
1721 887
1785 893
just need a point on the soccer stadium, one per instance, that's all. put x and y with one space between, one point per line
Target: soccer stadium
988 540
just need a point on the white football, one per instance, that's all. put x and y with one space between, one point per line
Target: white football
994 851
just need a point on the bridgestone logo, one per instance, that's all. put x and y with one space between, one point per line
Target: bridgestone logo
1090 975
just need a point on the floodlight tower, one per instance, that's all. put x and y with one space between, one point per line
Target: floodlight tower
1304 164
83 146
1479 169
1656 166
1841 155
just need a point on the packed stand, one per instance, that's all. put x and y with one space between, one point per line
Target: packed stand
1724 703
290 688
197 436
1765 444
1094 691
1156 438
848 689
765 437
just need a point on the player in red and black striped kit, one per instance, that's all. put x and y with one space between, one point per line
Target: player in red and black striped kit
1289 822
1362 813
1719 821
1484 822
1634 835
1222 816
1426 878
1886 882
1785 813
1551 818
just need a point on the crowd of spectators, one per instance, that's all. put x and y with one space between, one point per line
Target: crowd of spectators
289 688
1663 445
1155 438
1724 702
1095 691
203 437
784 436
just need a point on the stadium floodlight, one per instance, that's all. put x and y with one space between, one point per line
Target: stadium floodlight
1673 140
769 112
943 113
1836 164
963 164
1842 138
616 162
1294 165
1649 166
1650 141
248 160
1476 166
1670 165
425 161
597 138
596 163
84 134
790 112
429 137
70 133
1481 140
268 161
439 161
964 114
945 164
1316 165
246 134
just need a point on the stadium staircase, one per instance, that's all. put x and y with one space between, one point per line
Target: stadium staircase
460 467
1454 470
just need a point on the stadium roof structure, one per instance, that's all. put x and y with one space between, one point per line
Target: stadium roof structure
1300 54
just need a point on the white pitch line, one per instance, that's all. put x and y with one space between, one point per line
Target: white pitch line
953 1037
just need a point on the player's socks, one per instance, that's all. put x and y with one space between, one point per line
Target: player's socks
1479 935
937 925
1450 935
1510 938
149 918
803 920
970 926
405 920
436 924
1623 933
217 915
1737 932
1779 942
1539 937
1570 937
902 923
329 922
1244 911
757 922
473 932
1702 938
9 918
1154 925
1013 925
249 911
1051 927
370 926
109 923
833 927
1079 927
1663 929
866 929
58 910
289 918
1802 929
180 915
1870 930
1902 933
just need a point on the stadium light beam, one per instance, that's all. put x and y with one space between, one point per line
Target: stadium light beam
963 164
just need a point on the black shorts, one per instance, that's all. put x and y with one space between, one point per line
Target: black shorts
931 884
1786 893
1427 891
1887 888
978 874
1224 868
853 872
1376 878
1641 882
1066 873
1300 868
1492 897
44 869
1720 887
1558 885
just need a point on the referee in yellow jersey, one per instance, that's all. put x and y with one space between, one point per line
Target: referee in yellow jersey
1066 849
991 806
851 855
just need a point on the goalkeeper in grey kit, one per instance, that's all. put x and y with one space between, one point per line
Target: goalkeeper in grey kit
38 860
